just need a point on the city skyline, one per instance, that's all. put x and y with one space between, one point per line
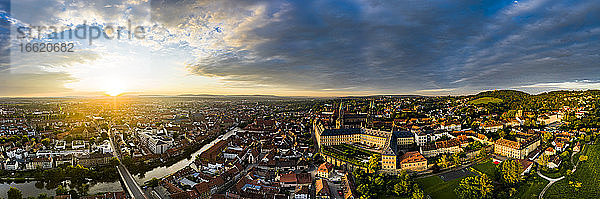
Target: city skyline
296 48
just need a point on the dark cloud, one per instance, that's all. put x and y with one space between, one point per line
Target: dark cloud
405 46
362 46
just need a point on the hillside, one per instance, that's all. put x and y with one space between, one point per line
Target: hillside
485 100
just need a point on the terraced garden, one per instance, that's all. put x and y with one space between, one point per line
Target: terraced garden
348 153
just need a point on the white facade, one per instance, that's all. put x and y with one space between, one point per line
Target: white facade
157 141
423 138
105 147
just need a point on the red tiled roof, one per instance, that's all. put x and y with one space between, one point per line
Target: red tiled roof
412 157
326 167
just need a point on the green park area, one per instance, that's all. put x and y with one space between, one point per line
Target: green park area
485 100
584 183
487 167
435 187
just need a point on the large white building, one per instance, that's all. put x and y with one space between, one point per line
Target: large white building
158 141
423 137
105 147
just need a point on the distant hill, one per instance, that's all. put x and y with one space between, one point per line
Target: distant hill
390 96
501 94
485 100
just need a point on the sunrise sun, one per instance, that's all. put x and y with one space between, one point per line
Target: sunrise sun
114 86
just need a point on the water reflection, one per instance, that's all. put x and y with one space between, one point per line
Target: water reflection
30 189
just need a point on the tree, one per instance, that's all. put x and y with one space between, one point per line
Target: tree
547 136
564 155
60 190
46 142
39 184
510 171
588 138
153 182
364 189
402 188
483 153
373 165
14 193
475 187
456 159
417 192
502 133
358 174
443 161
543 160
379 181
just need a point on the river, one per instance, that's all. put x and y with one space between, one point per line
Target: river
28 188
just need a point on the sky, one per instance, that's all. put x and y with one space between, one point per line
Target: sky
302 48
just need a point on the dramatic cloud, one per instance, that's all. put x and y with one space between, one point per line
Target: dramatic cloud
407 46
338 47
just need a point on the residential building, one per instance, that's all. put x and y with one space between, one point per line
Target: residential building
514 149
302 192
322 189
94 159
405 139
38 163
413 161
325 170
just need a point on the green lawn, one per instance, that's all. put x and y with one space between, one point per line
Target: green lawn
485 100
487 167
437 188
587 175
532 187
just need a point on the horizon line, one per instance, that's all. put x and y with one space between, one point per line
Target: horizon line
288 96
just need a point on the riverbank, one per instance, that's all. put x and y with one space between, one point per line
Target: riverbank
29 189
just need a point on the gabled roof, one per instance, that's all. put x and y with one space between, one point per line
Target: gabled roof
325 167
333 132
412 157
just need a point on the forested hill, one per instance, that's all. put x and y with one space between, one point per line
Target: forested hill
512 99
503 94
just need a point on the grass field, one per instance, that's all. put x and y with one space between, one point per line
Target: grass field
435 187
584 183
485 100
487 167
532 187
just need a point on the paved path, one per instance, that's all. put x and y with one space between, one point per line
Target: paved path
552 181
574 167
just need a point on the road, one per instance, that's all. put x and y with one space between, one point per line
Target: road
552 181
132 187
